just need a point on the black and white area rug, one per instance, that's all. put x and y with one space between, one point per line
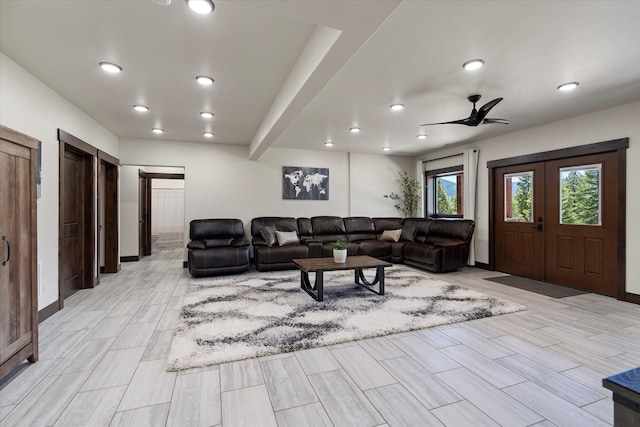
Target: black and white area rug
258 314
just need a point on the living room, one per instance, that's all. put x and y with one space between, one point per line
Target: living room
243 180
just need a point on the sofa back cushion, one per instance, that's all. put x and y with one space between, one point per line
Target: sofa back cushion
359 228
328 228
281 224
446 230
381 224
304 228
205 229
422 227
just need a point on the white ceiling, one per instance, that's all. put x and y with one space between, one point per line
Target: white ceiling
296 73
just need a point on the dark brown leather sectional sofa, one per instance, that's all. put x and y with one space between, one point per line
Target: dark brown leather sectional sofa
437 245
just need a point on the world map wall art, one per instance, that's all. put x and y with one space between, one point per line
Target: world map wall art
300 183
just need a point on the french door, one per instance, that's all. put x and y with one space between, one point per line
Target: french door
557 221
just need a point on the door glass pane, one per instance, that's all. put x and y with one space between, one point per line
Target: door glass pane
518 197
580 194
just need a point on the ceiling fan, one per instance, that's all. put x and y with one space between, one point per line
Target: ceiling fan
477 116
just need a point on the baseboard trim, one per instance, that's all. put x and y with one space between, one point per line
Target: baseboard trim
48 311
129 258
634 298
483 266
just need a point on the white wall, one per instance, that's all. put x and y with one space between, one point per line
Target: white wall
613 123
373 176
221 182
31 107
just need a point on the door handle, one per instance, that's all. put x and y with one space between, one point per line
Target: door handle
4 239
539 227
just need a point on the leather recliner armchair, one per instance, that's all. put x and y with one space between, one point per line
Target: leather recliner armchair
217 247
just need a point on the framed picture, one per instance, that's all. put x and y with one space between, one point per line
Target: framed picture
300 183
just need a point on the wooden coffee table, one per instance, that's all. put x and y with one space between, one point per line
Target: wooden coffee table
357 263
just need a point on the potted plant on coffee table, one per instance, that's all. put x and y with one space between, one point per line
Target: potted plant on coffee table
339 251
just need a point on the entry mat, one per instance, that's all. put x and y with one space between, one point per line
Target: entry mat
543 288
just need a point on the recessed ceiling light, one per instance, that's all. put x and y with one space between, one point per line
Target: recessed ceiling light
157 130
204 80
355 129
328 144
206 115
141 108
110 67
396 107
474 64
422 136
386 148
208 134
568 86
201 6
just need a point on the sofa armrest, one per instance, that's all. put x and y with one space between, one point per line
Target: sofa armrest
196 244
239 242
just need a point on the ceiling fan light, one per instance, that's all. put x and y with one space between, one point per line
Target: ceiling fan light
565 87
201 6
355 129
397 107
422 136
110 67
474 64
204 80
206 115
141 108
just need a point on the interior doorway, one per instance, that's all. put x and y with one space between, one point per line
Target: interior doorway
77 216
561 218
108 197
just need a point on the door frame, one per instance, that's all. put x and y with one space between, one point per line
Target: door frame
618 145
111 197
69 142
149 177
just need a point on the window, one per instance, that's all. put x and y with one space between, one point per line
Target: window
518 197
445 192
580 195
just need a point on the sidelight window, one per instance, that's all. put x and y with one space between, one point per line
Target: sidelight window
581 195
518 197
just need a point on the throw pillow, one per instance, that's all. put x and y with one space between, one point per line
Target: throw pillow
409 233
391 235
268 233
286 237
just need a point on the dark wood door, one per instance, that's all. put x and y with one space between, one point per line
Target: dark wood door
8 288
582 212
519 229
569 234
110 218
144 214
73 203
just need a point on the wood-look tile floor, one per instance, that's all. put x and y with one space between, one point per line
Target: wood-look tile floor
102 363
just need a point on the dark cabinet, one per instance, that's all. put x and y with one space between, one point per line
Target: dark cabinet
18 254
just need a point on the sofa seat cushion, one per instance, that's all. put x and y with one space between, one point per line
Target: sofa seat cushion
374 248
278 254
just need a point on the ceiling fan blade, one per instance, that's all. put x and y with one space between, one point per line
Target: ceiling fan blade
453 122
498 121
484 110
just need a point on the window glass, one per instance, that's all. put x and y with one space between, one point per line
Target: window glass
518 197
449 194
580 194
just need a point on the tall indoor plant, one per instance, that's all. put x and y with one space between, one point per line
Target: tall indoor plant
409 197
